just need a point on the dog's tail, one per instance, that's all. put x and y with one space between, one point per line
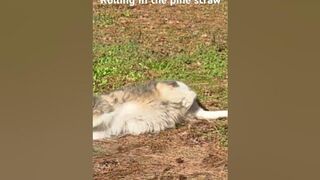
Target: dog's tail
210 115
200 112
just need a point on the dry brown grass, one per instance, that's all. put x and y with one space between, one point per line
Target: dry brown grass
165 29
191 151
196 150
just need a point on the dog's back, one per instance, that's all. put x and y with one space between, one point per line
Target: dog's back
152 107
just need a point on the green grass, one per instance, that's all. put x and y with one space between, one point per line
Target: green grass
222 131
102 20
118 65
127 51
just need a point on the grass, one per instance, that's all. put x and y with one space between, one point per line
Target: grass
118 65
136 44
133 45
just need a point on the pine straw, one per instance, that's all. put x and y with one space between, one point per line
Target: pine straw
193 150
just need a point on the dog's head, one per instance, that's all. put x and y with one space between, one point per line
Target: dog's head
176 92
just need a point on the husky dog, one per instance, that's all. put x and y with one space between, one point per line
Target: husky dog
147 108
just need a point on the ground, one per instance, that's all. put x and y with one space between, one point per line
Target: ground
185 42
194 150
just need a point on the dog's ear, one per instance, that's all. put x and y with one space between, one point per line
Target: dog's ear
166 85
172 83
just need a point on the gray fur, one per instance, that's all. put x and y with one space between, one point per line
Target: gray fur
150 107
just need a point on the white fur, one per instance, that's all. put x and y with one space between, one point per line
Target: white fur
125 120
183 86
210 115
104 118
130 118
134 118
98 135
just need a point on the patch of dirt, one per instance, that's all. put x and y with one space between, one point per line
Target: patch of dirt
191 151
163 29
